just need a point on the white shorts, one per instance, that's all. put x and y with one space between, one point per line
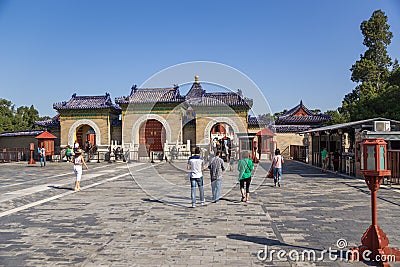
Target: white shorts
78 172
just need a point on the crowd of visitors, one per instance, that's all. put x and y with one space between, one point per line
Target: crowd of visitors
197 164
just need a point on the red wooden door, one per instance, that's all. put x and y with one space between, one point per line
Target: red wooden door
91 138
152 134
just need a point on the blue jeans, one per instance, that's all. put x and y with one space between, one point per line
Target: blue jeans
199 182
277 175
216 189
42 161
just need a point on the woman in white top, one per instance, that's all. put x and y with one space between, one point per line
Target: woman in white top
277 164
78 161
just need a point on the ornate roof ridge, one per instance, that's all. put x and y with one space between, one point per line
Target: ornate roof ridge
151 95
52 122
22 133
87 102
157 88
295 109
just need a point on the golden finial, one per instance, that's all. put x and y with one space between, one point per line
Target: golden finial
196 79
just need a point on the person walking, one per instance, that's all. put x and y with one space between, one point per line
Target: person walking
245 167
196 165
216 168
68 153
42 156
78 161
277 167
336 160
324 157
76 146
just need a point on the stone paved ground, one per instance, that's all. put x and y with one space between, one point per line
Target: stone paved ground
140 216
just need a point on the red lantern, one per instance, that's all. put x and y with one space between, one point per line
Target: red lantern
373 167
373 158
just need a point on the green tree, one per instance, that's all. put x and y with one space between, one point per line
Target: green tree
371 72
6 115
337 118
278 114
25 117
22 118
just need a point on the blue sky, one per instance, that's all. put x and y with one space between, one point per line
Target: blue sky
293 50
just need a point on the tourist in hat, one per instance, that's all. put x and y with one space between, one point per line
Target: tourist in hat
78 161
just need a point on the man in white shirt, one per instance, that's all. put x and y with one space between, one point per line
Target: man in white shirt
42 156
196 165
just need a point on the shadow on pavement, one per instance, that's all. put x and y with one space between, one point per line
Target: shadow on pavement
364 189
151 200
60 187
265 241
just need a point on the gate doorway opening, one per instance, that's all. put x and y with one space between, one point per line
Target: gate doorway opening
152 135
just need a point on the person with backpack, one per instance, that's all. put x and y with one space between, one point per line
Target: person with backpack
277 165
216 168
245 168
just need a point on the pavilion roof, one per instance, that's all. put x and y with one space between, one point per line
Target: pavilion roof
301 115
46 135
196 96
291 128
50 123
87 102
255 122
152 95
230 99
196 90
22 133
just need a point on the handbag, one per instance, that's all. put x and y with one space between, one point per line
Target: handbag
270 173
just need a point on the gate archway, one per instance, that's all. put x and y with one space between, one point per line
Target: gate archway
152 135
73 131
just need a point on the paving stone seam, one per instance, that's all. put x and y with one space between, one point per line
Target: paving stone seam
343 175
39 202
37 180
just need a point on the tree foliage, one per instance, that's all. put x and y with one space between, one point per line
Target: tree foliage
22 118
377 91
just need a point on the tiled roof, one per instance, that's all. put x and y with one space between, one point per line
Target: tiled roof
195 91
320 118
257 122
152 95
218 99
46 135
290 128
196 96
50 123
301 115
87 102
22 133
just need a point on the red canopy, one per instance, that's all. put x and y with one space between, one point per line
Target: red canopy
265 132
46 135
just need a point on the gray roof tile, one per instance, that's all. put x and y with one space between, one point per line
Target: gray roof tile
87 102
